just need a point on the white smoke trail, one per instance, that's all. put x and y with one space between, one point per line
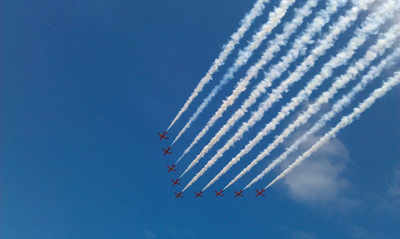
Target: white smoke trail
325 97
372 24
274 46
336 29
300 43
244 55
292 55
227 49
274 19
327 42
388 85
336 108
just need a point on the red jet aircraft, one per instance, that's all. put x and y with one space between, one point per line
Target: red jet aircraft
162 136
171 168
179 195
260 192
175 182
239 193
199 194
219 193
166 151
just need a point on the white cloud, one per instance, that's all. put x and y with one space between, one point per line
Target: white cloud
394 185
390 201
181 233
319 179
149 234
361 233
297 234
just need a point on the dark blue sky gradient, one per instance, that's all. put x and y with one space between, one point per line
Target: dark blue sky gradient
86 86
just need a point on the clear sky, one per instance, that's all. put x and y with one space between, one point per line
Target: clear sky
85 87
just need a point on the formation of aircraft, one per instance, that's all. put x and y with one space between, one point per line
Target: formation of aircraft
219 193
171 168
175 182
166 151
199 194
260 192
179 195
239 193
162 136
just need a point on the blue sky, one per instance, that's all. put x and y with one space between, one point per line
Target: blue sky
86 86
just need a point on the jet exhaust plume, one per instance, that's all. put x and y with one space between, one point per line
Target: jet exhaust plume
274 19
346 120
321 19
339 60
227 49
336 108
274 46
326 96
376 17
276 94
370 25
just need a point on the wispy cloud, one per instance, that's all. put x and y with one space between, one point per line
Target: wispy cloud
149 234
361 233
182 233
320 180
297 234
394 185
389 202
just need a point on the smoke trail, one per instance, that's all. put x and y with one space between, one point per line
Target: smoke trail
274 46
321 19
326 96
324 44
336 108
372 24
298 46
274 18
244 55
388 85
227 49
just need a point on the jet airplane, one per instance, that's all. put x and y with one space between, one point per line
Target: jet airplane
166 151
219 193
239 193
171 168
179 195
260 192
175 182
199 194
162 136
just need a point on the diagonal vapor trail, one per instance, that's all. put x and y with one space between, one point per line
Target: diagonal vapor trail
320 49
274 19
346 120
274 46
244 55
370 25
336 108
297 47
326 96
227 49
299 44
